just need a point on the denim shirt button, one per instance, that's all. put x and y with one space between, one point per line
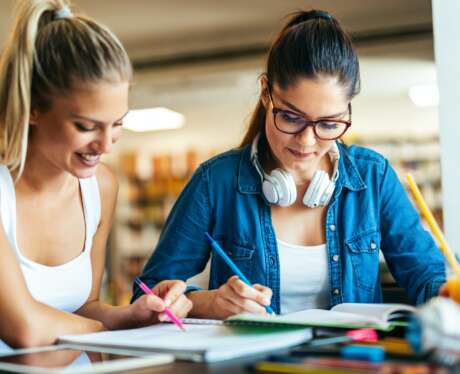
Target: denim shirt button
272 261
335 258
332 227
336 291
373 245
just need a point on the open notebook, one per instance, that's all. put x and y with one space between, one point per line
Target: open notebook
199 343
347 315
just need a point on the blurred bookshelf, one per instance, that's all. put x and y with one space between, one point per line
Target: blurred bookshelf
148 188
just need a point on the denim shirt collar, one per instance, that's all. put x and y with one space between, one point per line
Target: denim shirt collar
249 180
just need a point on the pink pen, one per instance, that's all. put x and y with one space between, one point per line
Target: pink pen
167 311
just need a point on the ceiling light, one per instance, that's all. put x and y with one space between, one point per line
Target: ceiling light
153 119
424 95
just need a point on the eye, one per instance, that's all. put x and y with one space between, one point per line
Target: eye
82 127
290 117
328 125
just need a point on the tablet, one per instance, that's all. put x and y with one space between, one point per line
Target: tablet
72 359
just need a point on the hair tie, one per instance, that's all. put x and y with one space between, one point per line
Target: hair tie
63 13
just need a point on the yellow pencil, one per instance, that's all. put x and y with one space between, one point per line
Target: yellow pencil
445 249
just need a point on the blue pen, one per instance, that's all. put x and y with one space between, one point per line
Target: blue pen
232 266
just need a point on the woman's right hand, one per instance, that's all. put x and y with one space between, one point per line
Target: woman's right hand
236 297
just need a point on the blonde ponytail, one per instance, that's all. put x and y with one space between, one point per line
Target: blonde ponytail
44 56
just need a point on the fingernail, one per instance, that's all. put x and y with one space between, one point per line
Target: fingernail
161 317
167 302
266 301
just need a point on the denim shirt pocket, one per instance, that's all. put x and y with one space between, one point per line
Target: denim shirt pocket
364 254
240 253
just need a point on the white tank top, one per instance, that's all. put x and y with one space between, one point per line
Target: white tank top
304 277
67 286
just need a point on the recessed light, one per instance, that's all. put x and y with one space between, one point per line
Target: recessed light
153 119
424 95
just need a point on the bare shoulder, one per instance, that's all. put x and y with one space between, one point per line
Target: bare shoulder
108 184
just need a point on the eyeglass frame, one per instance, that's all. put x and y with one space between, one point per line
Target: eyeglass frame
307 121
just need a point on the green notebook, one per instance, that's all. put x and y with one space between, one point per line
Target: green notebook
348 315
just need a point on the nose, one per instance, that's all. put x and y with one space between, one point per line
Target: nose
307 136
105 140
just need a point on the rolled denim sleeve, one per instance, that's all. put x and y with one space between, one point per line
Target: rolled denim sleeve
182 251
409 249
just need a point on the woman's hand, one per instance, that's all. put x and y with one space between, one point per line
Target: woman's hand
148 309
236 297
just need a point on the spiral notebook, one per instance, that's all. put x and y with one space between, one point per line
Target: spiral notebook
347 315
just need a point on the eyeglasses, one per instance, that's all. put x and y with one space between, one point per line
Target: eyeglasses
294 123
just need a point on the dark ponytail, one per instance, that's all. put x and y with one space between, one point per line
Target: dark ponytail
311 44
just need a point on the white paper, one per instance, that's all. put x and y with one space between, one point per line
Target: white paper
212 342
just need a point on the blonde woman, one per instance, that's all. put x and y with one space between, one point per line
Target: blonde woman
64 83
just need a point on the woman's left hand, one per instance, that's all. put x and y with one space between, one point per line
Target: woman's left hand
148 309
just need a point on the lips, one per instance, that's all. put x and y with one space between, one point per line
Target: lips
299 154
89 159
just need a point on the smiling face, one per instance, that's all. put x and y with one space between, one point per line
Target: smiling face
79 127
322 98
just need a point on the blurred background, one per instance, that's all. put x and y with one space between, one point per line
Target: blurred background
201 61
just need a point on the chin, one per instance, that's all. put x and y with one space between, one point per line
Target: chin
82 173
300 165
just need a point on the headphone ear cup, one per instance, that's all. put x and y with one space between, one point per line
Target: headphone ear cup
285 185
318 185
327 195
269 190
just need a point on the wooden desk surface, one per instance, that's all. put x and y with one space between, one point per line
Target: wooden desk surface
193 368
236 366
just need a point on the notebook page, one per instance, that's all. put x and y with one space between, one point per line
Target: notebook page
201 321
380 312
213 340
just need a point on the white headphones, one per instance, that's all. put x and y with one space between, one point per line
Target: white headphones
279 186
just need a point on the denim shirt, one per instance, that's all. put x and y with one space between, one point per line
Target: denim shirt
369 211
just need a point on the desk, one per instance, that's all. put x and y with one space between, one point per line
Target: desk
236 366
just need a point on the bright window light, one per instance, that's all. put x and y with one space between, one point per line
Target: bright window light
153 119
424 95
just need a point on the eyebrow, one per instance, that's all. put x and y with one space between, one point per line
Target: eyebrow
95 121
294 108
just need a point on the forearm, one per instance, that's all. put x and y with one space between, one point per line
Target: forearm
64 323
43 325
113 317
203 304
